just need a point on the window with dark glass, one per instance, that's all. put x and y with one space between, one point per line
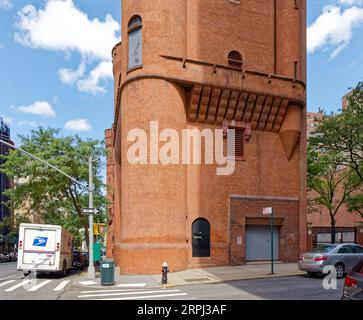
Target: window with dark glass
135 42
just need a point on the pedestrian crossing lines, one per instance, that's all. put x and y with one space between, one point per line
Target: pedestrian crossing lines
136 291
33 285
133 294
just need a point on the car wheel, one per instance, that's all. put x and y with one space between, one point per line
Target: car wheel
340 269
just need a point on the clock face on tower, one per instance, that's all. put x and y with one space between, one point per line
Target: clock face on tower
135 48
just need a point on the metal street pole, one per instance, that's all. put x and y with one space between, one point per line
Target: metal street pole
272 240
91 267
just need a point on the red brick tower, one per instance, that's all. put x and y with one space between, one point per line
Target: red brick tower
207 65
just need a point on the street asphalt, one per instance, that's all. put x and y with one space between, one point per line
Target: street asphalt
13 286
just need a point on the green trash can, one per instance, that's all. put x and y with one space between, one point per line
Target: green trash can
107 272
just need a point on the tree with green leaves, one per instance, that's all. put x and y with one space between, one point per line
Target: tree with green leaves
343 133
355 204
329 184
57 198
10 229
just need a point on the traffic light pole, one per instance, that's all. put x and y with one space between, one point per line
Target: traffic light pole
91 268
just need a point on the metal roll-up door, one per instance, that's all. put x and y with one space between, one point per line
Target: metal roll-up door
258 243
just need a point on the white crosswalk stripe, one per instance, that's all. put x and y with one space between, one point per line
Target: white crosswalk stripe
61 286
125 292
6 283
14 275
147 297
40 285
131 294
28 285
23 283
131 285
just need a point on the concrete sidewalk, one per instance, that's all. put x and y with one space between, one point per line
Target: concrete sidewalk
196 276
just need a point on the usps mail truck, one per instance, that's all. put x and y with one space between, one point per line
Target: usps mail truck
44 249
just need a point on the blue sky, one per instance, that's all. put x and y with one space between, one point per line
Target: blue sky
68 84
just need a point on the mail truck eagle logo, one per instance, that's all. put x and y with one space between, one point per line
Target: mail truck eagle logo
40 241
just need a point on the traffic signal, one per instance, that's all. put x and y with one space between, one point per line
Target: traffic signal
96 229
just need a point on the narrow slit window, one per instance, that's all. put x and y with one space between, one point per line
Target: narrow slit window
135 42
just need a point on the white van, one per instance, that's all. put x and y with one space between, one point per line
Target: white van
44 248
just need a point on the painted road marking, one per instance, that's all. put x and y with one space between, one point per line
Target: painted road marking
105 291
87 283
6 282
38 286
126 293
131 285
23 283
61 286
8 277
146 297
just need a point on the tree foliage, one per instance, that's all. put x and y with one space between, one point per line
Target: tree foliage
330 183
335 159
58 199
343 133
355 204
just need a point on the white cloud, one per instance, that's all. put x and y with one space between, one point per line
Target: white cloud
91 83
70 76
333 29
80 125
6 4
41 108
61 26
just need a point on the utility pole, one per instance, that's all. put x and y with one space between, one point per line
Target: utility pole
91 267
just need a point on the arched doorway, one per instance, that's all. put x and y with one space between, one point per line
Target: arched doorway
201 238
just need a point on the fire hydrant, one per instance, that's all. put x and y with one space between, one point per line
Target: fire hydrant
164 273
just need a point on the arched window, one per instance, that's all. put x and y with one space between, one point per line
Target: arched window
135 42
235 59
201 238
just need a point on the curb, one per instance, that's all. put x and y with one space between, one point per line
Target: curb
240 279
171 285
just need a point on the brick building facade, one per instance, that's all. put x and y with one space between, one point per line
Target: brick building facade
196 64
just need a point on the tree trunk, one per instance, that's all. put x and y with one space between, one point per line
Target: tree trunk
333 229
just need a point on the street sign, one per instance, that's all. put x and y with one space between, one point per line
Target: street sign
267 211
88 211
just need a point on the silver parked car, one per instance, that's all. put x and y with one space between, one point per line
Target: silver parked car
344 257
